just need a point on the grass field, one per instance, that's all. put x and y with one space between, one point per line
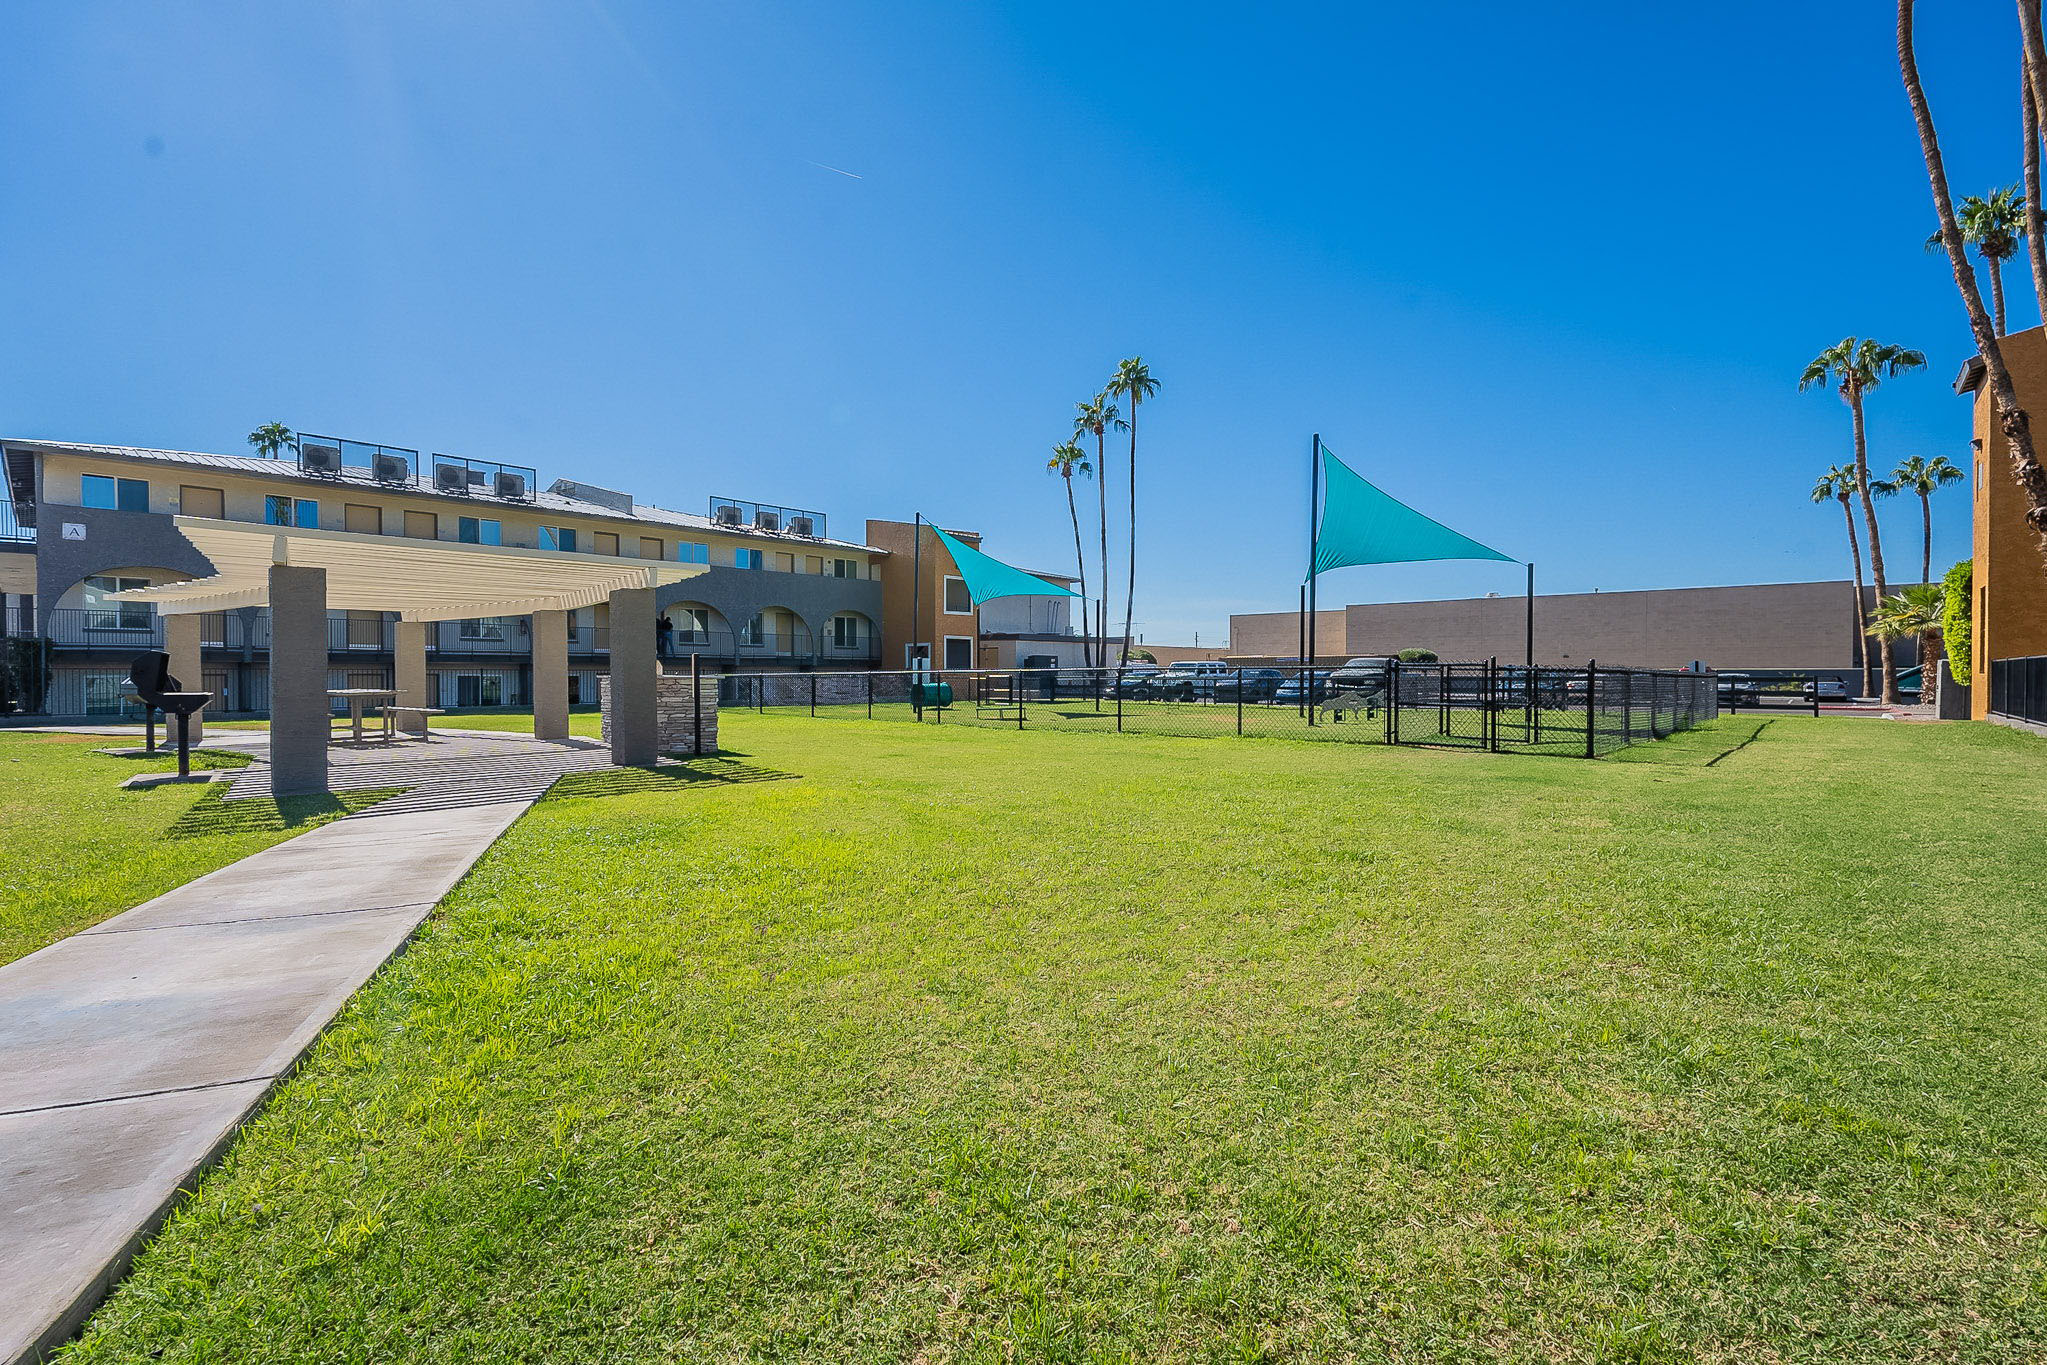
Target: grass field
76 848
948 1044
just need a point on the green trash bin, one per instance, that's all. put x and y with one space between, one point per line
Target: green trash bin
930 696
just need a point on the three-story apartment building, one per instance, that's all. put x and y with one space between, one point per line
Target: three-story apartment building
88 521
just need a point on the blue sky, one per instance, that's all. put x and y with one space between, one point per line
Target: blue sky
1548 273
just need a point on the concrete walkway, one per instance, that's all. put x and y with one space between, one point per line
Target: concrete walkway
131 1052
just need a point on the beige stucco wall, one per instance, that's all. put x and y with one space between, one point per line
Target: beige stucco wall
17 572
1277 634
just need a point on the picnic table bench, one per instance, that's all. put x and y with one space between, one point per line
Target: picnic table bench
393 711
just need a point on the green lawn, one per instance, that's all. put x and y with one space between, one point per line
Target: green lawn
957 1044
76 848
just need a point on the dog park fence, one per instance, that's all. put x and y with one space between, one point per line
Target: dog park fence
1501 708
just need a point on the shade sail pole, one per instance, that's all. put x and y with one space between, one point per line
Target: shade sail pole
1314 497
916 590
1530 623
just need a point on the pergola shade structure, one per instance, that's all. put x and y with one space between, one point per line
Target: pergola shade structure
301 573
429 580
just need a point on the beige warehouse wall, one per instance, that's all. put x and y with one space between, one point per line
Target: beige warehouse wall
1277 634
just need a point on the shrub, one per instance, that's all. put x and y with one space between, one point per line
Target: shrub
1955 620
1416 656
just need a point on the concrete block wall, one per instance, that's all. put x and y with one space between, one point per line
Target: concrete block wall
675 712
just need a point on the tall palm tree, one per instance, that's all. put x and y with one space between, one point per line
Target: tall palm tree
1838 485
1857 368
270 438
1915 613
2012 421
1994 226
1134 384
1100 417
1068 460
1922 477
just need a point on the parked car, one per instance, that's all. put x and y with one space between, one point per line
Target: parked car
1190 680
1132 680
1826 689
1361 675
1296 683
1248 684
1739 689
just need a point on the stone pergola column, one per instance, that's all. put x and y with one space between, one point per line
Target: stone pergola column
299 717
408 671
181 642
551 674
634 741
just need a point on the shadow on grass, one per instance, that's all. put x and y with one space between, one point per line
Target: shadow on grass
1695 748
203 760
718 770
211 814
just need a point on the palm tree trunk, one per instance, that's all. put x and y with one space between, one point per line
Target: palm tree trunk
1996 294
1862 635
1079 558
1102 502
2016 426
1130 590
2033 100
1926 537
1885 652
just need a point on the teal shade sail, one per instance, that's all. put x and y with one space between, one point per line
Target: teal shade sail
988 578
1360 524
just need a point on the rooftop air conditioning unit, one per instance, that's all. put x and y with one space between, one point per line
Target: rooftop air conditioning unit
729 516
803 526
451 478
767 521
511 485
315 459
392 469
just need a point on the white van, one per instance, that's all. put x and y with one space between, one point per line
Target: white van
1189 680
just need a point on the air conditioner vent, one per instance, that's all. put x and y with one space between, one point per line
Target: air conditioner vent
451 478
803 526
510 485
320 459
767 521
392 469
729 516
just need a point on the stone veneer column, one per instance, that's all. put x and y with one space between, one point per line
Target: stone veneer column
299 717
181 642
551 675
408 672
635 741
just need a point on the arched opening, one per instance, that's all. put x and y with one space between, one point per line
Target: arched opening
851 636
775 633
686 628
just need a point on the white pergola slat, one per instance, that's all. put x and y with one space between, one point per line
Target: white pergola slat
420 580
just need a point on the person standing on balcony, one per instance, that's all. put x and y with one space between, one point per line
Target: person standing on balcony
664 635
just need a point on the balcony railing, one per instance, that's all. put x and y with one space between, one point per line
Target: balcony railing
11 529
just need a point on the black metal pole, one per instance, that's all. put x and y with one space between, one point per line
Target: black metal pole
1240 702
1529 625
916 589
184 744
1301 652
1591 689
1314 503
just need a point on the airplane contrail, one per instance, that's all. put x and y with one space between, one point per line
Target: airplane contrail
848 174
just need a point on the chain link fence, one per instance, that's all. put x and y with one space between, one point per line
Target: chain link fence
1581 712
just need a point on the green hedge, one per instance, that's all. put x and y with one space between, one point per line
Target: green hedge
1954 619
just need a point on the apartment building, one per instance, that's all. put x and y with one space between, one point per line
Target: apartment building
2010 576
88 521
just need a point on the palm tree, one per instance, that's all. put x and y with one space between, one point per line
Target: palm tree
1100 417
2033 57
1838 485
1995 226
1133 382
2012 421
1068 460
1856 368
1922 477
270 438
1915 613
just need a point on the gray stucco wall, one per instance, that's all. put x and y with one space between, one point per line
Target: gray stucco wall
113 540
740 594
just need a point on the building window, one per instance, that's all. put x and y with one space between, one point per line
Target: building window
362 518
282 511
116 495
101 614
689 552
558 538
959 652
105 694
958 601
755 631
845 568
651 548
423 525
813 564
202 502
747 559
485 628
479 689
692 625
846 631
478 531
606 543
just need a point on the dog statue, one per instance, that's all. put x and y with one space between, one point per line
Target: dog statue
1353 702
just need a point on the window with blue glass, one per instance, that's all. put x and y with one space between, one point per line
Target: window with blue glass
478 531
558 538
747 559
116 495
283 511
689 552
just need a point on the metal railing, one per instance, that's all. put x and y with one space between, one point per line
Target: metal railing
2018 689
11 527
1581 712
